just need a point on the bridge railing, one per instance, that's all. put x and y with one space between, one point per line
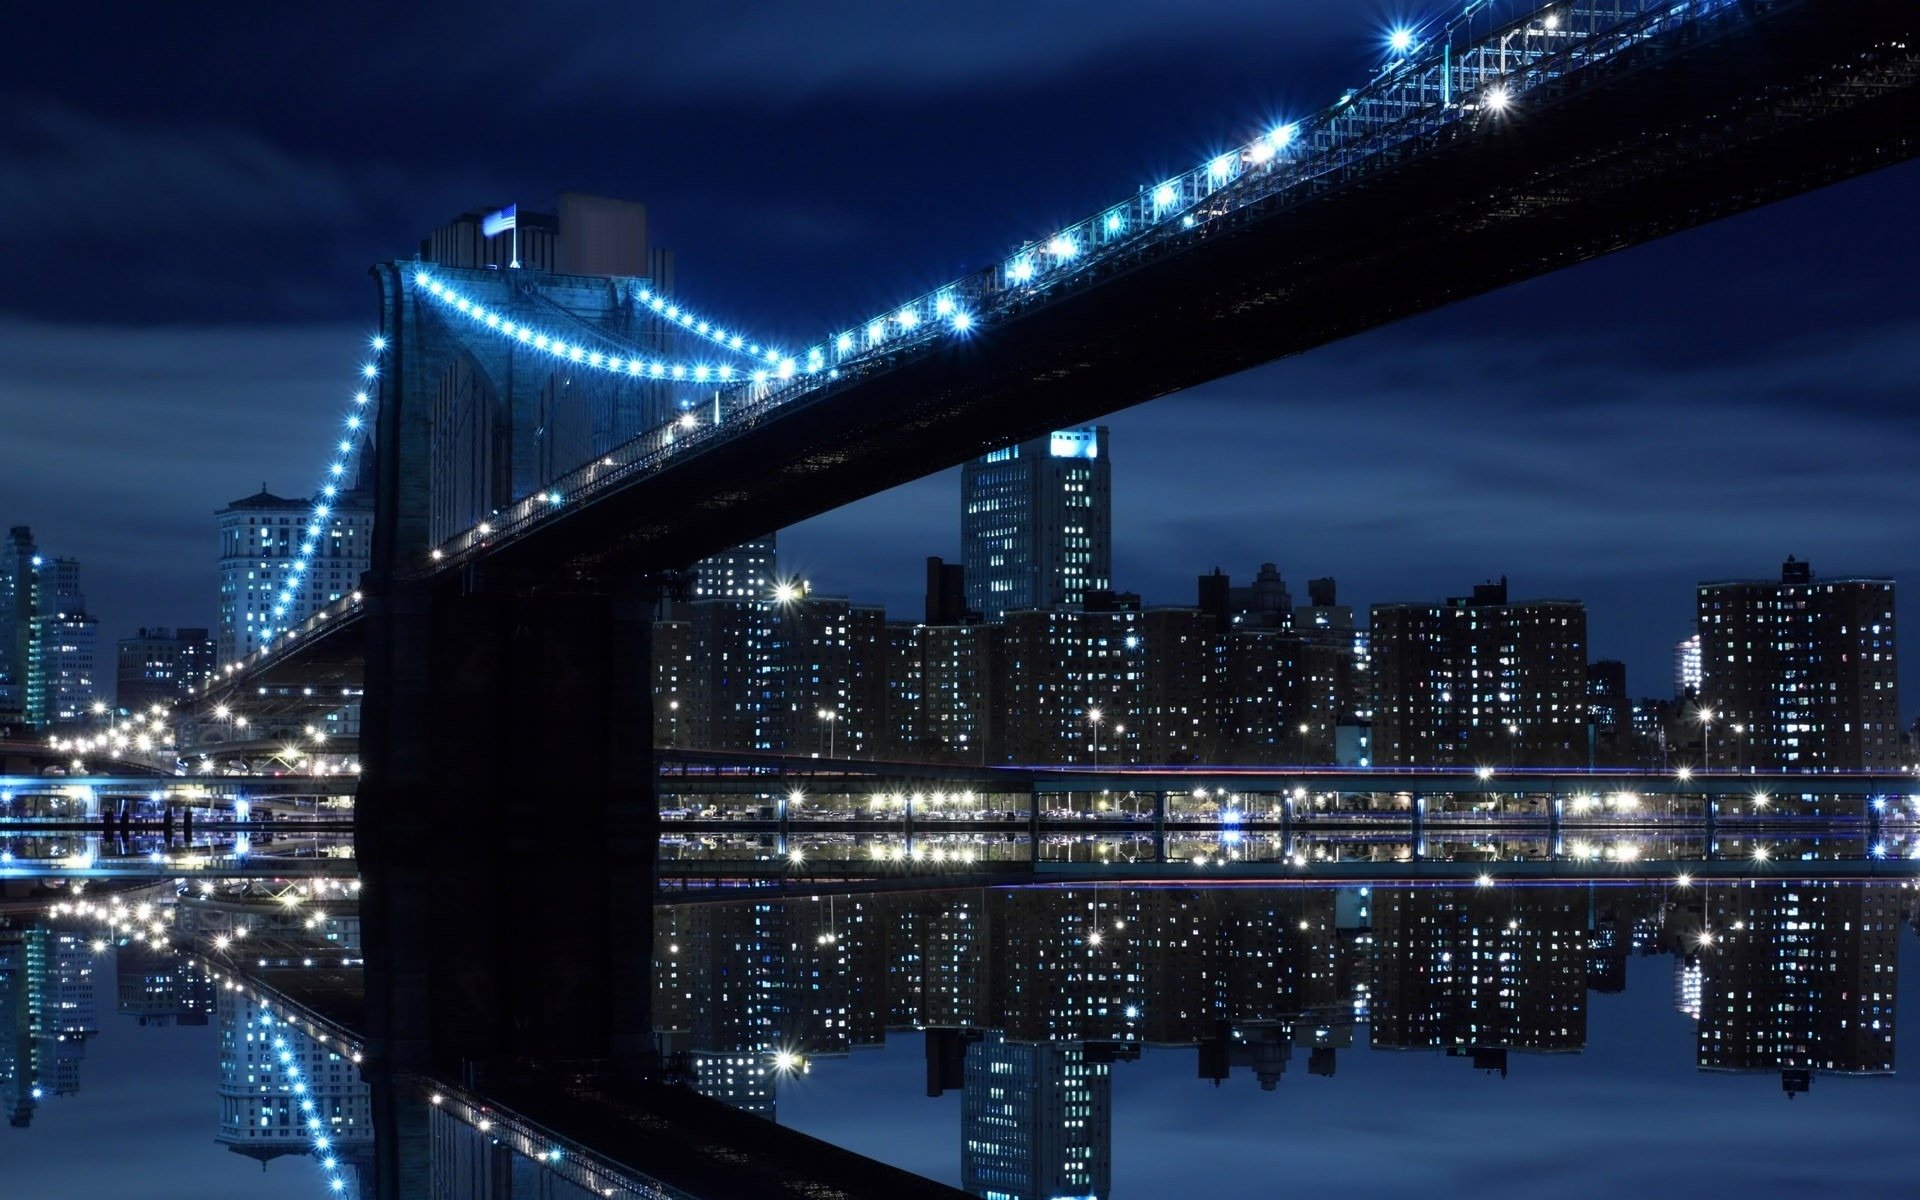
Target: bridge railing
1470 71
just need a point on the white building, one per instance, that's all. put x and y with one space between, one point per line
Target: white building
261 540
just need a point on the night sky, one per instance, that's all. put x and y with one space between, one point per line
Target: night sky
192 196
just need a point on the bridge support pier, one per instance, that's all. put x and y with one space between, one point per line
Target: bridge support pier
506 828
1159 827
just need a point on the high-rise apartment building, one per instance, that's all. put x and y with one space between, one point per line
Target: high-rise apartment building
1686 667
1036 523
1807 667
262 537
745 572
1479 681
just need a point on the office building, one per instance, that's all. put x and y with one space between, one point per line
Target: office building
275 1079
1036 1121
1036 523
261 539
16 622
161 666
61 647
1480 681
1807 667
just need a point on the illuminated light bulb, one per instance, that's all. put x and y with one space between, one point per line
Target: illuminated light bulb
1400 40
962 322
369 371
1163 195
360 397
876 331
1498 97
908 318
1220 166
1113 222
726 373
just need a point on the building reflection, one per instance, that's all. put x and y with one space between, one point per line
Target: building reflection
1027 998
47 1013
1798 978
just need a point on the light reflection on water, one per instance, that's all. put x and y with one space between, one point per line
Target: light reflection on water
1089 1037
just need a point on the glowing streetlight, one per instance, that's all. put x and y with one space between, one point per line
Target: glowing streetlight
831 718
1093 719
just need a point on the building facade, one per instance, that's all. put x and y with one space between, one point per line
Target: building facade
261 539
161 666
1036 523
1479 681
1805 666
60 685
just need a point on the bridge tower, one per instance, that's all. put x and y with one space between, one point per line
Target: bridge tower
506 821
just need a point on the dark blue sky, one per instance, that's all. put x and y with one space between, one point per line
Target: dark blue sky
192 197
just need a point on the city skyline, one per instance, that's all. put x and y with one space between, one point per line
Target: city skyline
1629 445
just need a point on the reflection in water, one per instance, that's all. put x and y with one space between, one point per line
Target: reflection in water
1027 997
47 1004
1030 1003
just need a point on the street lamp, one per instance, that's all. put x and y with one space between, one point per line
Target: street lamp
1093 719
1513 735
829 716
1706 738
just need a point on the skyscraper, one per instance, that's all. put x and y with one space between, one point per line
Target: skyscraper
16 622
60 652
260 541
1036 523
1806 666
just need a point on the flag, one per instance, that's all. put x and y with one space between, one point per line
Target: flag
498 223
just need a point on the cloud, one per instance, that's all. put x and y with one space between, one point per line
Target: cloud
64 172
